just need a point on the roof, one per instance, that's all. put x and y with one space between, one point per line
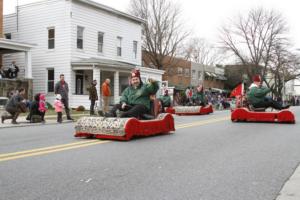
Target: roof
112 10
11 46
104 63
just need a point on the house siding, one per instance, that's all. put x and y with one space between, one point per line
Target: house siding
33 22
95 20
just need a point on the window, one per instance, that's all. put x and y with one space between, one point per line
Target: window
135 43
80 37
7 36
193 74
200 75
51 38
179 70
119 46
187 72
100 42
50 80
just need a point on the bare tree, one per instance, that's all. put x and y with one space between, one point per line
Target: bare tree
253 38
284 66
163 31
199 50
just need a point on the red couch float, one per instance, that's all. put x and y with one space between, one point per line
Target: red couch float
190 110
123 128
245 115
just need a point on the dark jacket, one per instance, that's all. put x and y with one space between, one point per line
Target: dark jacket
140 95
93 93
14 104
62 89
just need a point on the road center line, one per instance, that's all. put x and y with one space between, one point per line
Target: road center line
74 145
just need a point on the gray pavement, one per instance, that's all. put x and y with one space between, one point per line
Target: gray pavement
219 160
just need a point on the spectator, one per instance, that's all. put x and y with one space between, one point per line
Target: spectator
62 88
13 70
15 105
42 106
58 105
93 96
34 114
106 93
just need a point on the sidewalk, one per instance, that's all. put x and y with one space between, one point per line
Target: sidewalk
50 119
291 189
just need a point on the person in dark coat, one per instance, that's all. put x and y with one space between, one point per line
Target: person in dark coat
34 110
93 96
62 88
15 106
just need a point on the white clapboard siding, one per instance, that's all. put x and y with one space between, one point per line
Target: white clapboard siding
33 22
95 20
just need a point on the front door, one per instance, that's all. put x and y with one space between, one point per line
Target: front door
79 84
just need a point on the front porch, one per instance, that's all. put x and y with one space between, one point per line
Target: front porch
9 51
85 71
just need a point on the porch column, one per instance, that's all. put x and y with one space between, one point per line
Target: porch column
28 67
116 87
96 76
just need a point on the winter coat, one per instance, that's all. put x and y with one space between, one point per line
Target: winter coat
14 102
93 93
106 90
58 105
166 100
198 96
62 89
257 94
139 95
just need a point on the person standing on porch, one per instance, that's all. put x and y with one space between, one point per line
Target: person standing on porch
106 93
62 88
93 96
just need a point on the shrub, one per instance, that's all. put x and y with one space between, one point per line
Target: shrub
49 106
80 108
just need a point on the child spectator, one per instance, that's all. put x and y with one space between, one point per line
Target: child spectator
42 106
58 108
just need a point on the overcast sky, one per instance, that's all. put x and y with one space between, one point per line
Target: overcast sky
206 16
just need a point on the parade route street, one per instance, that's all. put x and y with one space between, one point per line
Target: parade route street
207 158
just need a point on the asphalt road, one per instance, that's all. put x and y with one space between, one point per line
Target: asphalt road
208 158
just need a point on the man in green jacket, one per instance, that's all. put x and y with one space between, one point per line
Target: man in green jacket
165 100
198 96
257 96
135 100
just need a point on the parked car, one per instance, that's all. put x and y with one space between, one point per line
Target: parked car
3 101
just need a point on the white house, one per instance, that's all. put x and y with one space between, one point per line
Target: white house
81 39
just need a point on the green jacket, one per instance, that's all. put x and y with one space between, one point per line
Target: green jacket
140 95
198 96
166 100
257 94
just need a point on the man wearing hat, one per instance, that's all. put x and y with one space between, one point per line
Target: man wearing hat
135 100
257 96
198 96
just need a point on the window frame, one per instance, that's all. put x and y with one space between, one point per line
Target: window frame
135 47
49 81
78 39
100 44
119 46
51 39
